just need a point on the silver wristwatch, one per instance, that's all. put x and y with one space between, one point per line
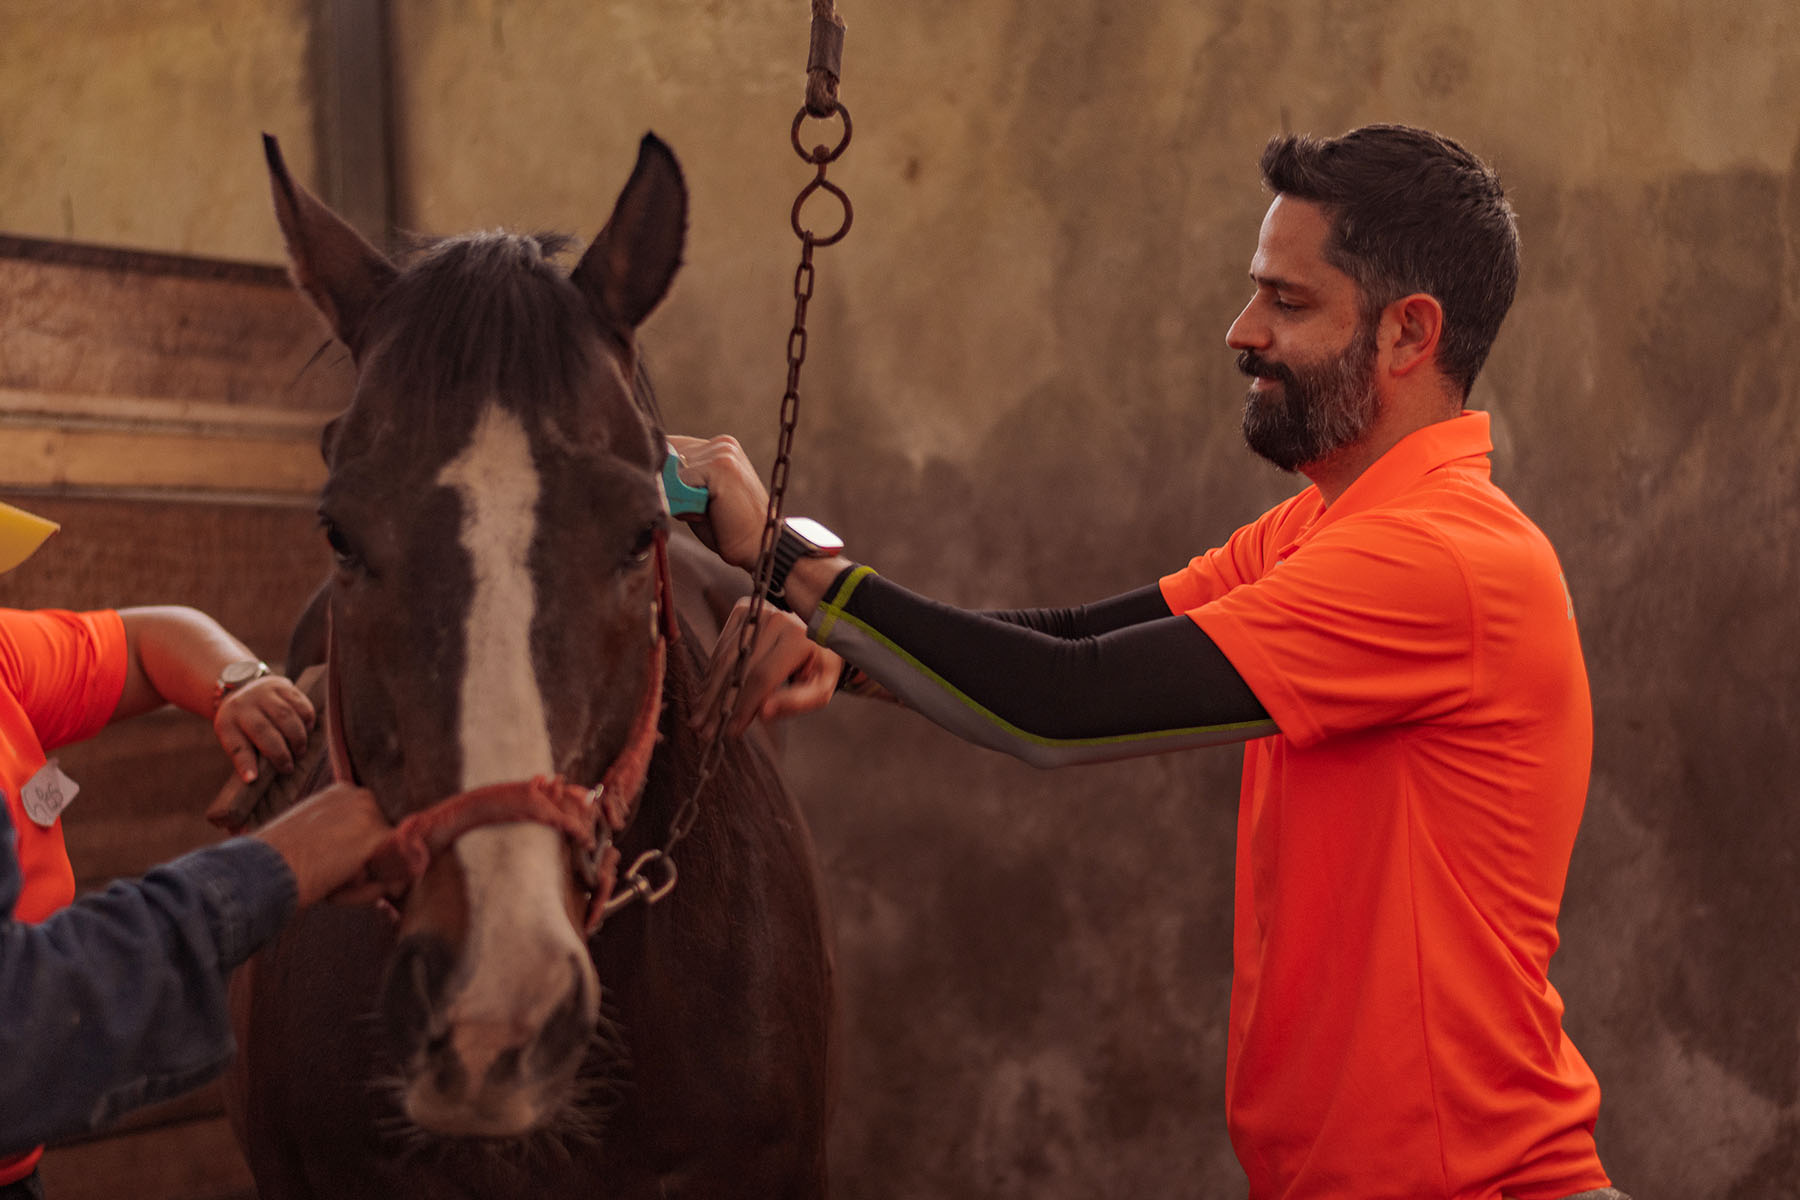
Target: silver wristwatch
234 675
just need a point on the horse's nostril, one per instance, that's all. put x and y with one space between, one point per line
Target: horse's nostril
504 1071
447 1073
567 1030
413 988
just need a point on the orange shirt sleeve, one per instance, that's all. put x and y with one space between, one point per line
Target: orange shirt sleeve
1243 558
66 669
1369 623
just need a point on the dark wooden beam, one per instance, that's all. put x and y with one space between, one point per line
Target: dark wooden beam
354 112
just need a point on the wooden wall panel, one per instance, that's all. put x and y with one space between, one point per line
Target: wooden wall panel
88 320
250 565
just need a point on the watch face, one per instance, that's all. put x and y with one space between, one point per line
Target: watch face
239 673
820 541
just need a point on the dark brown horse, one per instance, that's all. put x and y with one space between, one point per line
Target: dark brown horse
498 616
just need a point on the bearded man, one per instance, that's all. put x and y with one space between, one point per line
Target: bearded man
1397 649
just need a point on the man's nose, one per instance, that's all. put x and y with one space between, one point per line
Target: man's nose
1248 332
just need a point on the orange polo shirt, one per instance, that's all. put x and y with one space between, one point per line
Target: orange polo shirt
1403 842
61 675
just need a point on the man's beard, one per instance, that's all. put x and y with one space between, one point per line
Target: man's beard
1319 408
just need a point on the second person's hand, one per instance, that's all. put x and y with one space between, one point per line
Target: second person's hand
739 503
271 717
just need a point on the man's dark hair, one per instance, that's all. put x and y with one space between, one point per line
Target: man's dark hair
1411 211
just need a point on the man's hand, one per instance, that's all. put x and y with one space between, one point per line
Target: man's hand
271 717
327 839
787 674
739 503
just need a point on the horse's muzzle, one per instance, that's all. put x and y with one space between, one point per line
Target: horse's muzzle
476 1074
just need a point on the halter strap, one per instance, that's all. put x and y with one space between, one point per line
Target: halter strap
587 817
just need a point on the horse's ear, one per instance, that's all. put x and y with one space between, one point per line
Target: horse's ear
330 261
626 272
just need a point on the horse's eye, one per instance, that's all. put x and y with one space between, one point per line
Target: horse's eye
643 546
347 557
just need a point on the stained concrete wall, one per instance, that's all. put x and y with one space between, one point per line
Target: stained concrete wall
133 122
1017 391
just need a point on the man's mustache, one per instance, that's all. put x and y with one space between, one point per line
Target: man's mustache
1255 365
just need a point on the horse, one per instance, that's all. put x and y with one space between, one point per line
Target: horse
502 637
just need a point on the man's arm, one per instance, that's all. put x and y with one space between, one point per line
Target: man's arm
1143 687
1118 679
120 999
1136 607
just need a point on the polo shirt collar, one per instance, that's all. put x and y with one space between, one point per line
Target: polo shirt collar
1409 460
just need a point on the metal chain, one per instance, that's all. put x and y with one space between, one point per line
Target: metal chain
765 555
634 884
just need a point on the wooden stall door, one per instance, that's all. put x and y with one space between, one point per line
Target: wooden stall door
166 411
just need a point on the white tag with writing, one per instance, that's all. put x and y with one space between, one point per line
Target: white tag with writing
47 793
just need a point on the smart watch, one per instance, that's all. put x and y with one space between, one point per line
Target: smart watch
800 537
234 675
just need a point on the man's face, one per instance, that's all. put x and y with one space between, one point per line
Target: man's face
1305 344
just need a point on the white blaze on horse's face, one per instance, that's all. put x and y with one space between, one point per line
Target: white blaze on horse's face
522 955
503 731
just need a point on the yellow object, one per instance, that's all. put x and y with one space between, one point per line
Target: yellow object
21 533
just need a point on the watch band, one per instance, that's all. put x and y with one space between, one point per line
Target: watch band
800 537
789 549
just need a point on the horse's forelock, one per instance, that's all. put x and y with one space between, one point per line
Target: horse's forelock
483 317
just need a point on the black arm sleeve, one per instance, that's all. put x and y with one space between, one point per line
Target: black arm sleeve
1090 620
1151 682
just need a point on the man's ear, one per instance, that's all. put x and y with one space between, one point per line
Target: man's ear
1415 323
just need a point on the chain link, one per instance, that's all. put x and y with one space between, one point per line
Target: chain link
632 885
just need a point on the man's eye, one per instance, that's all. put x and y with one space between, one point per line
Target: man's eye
1285 305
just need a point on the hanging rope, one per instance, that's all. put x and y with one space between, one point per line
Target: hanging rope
825 60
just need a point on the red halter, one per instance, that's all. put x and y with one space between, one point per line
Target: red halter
587 817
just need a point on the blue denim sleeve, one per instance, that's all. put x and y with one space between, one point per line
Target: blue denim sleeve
119 999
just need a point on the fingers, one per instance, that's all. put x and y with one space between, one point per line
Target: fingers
327 839
739 503
358 892
808 689
780 659
786 673
270 717
240 752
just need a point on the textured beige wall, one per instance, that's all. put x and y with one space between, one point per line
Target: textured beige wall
1018 391
134 122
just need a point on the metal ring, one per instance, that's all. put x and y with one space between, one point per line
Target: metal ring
800 201
820 154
